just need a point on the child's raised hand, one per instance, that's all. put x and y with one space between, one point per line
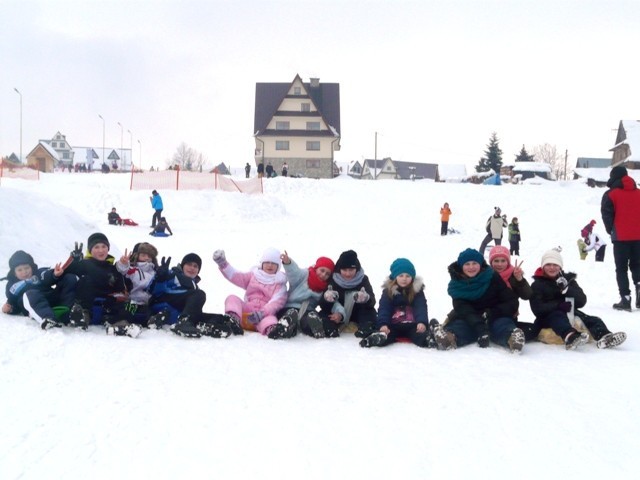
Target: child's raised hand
517 271
125 258
331 295
58 270
285 258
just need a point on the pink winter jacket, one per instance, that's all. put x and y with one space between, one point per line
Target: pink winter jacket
262 291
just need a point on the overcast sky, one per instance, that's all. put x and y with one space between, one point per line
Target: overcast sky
433 78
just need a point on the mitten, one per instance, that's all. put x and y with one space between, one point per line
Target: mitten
219 257
162 274
361 297
255 317
331 295
76 253
483 340
565 307
562 282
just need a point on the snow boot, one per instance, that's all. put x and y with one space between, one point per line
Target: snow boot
156 321
638 295
315 325
623 304
376 339
185 328
122 328
233 322
444 340
575 339
48 323
287 326
611 340
79 317
516 341
214 330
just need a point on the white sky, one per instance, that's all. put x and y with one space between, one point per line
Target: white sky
433 78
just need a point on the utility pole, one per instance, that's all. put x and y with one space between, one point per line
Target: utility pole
375 159
566 153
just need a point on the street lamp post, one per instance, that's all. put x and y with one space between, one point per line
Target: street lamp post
131 147
121 135
140 143
103 159
18 92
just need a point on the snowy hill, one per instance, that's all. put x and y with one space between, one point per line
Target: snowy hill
81 404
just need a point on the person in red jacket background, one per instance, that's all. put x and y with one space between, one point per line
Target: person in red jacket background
619 208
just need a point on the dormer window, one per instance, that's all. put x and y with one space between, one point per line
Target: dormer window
297 91
305 107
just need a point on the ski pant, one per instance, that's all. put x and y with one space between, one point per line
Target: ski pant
531 331
499 331
627 257
514 247
366 317
595 325
156 217
39 303
486 242
444 228
187 303
600 253
406 330
237 306
557 321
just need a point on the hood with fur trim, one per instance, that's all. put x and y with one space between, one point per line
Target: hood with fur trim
389 285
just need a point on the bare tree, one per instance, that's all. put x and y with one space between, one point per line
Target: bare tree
187 158
549 154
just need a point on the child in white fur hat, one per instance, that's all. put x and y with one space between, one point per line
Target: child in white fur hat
265 288
555 294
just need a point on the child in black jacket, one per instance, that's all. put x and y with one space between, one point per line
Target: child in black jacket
555 296
34 291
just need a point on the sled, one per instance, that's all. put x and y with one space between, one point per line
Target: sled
159 234
129 222
582 249
246 324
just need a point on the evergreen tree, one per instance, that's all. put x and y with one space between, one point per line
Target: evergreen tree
492 159
523 156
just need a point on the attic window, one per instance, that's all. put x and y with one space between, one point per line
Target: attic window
297 91
305 107
282 125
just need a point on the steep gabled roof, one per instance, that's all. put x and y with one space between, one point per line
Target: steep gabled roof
406 169
269 96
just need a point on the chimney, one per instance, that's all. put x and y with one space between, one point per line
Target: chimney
314 82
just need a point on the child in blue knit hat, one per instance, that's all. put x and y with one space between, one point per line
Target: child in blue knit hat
402 312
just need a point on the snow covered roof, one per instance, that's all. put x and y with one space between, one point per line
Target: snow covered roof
452 172
50 149
532 167
602 174
632 134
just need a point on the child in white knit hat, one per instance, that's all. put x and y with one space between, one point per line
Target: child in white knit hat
555 296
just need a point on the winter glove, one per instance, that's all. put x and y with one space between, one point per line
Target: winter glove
255 317
483 340
361 297
162 274
331 295
76 253
565 307
220 258
483 333
562 283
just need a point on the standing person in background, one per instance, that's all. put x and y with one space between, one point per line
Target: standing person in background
285 169
595 242
156 204
445 212
619 208
495 225
247 170
514 237
261 170
269 170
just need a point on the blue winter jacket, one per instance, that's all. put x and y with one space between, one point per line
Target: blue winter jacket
43 279
156 202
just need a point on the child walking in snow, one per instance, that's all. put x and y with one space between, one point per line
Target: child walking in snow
402 312
34 291
305 289
484 308
556 295
445 213
514 237
348 298
265 288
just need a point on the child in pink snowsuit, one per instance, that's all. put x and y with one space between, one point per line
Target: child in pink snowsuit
266 291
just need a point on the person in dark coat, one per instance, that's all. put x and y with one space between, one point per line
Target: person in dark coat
160 230
619 208
34 291
247 170
269 170
402 312
556 295
261 170
348 298
484 308
100 281
114 218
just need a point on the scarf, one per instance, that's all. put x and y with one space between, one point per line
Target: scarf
349 284
506 274
268 278
470 288
315 284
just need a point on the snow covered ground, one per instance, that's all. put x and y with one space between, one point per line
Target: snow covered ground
84 405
